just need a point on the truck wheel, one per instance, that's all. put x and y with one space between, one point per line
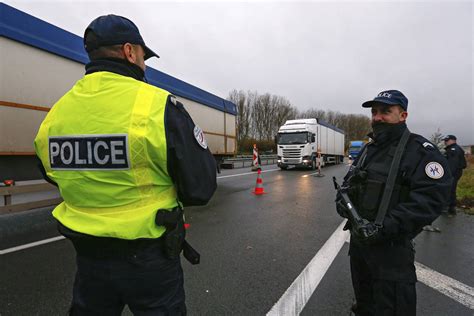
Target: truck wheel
313 164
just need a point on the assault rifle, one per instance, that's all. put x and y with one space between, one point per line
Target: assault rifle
358 223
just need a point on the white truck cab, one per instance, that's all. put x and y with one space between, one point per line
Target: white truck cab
298 142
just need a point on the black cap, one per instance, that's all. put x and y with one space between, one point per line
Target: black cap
389 97
448 137
113 30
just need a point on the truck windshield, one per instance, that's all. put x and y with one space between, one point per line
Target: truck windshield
357 148
292 138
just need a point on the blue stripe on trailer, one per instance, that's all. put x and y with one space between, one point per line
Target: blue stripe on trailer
27 29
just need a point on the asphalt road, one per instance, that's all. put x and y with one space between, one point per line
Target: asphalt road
252 248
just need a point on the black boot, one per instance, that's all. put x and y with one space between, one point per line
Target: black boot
451 211
353 308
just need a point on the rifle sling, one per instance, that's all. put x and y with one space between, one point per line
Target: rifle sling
392 176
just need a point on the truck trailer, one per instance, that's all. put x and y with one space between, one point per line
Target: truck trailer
40 62
300 142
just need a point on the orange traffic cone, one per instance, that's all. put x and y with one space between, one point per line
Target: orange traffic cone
259 185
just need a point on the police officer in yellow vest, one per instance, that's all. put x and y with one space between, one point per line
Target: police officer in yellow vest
126 157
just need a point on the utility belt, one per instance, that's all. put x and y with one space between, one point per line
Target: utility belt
385 243
172 242
175 234
108 247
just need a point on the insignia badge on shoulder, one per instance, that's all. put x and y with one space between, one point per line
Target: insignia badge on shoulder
173 99
453 148
434 170
199 136
426 144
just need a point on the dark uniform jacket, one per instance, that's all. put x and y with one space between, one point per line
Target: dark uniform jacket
456 159
422 184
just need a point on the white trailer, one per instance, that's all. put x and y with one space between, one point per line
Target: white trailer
300 141
40 62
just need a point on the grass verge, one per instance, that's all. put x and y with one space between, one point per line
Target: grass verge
465 190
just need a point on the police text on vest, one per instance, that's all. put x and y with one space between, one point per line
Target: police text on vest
89 152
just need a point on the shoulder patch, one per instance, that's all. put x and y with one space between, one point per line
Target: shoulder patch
453 148
423 142
199 136
434 170
173 99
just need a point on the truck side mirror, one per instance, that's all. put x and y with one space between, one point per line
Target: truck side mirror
276 139
313 138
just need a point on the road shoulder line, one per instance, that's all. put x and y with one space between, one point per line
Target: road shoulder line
30 245
450 287
300 291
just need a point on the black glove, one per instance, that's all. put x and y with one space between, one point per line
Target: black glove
369 233
341 208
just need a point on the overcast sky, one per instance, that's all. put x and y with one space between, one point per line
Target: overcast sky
327 55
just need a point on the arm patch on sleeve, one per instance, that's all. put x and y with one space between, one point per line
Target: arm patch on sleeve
434 170
199 136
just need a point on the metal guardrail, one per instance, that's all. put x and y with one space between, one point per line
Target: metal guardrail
242 161
8 191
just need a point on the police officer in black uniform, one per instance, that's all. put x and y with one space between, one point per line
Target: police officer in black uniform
381 251
456 162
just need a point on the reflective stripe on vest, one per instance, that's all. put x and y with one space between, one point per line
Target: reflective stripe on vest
104 143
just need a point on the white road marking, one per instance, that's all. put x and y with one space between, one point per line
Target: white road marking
300 291
33 244
450 287
244 174
297 295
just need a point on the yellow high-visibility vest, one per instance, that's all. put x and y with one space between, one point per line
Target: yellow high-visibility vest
104 144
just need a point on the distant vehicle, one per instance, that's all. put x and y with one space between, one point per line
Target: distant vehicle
355 147
298 142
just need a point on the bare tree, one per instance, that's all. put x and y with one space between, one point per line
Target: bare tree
244 111
259 116
437 139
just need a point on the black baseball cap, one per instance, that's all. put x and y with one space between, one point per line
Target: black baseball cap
389 97
113 30
448 137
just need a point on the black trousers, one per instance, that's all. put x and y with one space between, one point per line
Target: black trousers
135 274
383 278
452 195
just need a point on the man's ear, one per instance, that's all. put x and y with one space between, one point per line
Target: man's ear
403 116
129 52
